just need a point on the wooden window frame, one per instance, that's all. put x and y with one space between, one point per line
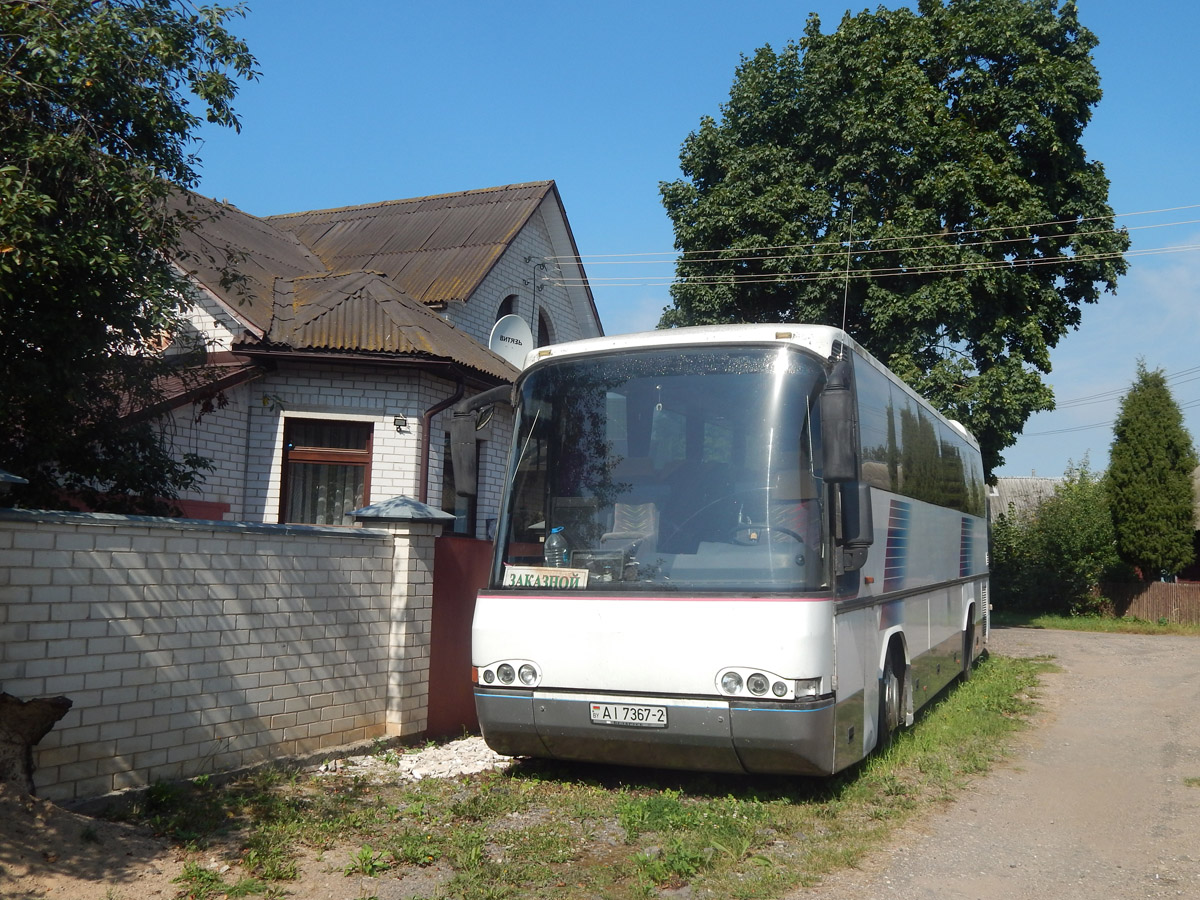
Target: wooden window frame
337 456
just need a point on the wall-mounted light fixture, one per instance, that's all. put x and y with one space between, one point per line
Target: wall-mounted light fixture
401 422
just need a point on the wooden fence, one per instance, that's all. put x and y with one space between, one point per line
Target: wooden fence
1177 602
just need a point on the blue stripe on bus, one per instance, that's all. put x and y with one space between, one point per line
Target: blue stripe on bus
966 547
895 563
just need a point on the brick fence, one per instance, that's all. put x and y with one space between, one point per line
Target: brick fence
192 646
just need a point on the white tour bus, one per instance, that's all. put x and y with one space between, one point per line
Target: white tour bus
737 548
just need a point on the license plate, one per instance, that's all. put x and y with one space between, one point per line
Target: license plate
629 714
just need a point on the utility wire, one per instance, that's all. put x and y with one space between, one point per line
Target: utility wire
1191 404
1106 396
689 258
815 275
632 258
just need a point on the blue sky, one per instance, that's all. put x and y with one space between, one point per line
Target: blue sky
367 100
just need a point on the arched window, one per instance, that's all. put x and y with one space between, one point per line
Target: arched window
545 335
508 306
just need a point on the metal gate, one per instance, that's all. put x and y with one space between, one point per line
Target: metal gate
460 569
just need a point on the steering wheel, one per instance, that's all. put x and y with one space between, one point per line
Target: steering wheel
750 540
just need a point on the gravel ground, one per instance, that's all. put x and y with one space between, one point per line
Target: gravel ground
50 853
1094 804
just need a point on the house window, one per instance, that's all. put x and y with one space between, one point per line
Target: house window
508 306
326 470
544 335
462 508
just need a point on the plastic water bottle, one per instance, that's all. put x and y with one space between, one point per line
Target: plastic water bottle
556 550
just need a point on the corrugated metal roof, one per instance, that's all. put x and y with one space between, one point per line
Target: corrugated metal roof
219 372
364 312
226 237
359 278
1023 494
1026 493
435 249
1196 498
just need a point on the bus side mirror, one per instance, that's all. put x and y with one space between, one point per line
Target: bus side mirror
839 439
858 526
463 452
464 422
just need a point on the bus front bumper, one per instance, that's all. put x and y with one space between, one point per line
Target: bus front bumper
702 735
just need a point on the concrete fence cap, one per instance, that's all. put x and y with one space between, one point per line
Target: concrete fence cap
403 509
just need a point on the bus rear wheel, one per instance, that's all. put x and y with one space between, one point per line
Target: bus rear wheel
891 693
968 646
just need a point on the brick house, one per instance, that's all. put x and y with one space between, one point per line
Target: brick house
346 335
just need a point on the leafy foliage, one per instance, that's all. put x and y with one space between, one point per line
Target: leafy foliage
97 117
920 177
1150 470
1055 560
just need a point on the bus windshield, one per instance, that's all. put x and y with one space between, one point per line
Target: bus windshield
668 469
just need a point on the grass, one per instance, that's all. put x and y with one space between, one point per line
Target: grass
1109 624
200 883
552 831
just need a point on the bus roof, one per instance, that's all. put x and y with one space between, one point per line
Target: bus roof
820 339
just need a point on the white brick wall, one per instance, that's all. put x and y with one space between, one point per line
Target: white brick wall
219 436
534 283
245 440
211 319
189 648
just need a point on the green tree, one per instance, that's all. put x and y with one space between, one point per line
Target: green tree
1150 471
919 177
98 113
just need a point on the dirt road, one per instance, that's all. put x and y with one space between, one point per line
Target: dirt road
1095 804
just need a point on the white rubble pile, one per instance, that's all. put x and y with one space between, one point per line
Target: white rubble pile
465 756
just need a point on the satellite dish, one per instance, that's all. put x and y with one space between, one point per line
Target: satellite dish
511 339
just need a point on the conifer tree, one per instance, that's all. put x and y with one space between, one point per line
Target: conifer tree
1150 479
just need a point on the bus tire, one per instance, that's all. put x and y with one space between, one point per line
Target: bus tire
891 697
968 646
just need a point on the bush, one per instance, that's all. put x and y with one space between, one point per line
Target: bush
1054 560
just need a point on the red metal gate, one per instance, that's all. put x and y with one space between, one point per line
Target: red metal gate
460 569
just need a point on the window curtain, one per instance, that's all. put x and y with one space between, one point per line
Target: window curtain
324 494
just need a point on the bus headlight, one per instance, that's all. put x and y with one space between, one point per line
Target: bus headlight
742 681
509 673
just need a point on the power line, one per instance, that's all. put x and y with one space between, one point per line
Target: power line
815 275
867 250
1191 404
671 255
1104 396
